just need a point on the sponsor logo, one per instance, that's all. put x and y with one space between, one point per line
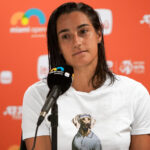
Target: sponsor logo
21 23
139 67
145 19
107 19
42 66
6 77
127 67
14 111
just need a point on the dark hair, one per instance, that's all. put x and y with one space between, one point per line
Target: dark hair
55 57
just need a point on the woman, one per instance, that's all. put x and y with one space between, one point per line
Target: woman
106 113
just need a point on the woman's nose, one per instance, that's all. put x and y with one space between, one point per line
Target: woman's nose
77 41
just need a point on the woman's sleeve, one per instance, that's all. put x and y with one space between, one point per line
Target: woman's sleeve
141 111
32 104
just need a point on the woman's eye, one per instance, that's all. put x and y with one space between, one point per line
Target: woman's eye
83 31
65 36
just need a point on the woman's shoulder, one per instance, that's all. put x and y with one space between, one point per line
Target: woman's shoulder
126 80
127 83
39 87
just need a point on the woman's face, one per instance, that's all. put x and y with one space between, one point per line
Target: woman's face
78 39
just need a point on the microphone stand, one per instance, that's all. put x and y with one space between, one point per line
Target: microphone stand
53 118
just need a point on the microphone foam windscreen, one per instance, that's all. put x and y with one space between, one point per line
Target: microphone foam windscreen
60 76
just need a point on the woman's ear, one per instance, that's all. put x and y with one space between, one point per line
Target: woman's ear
99 36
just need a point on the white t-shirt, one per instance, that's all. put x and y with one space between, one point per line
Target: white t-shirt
115 111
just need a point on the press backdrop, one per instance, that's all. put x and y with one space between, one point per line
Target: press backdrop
23 50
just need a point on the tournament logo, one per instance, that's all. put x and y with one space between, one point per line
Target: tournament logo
21 23
57 69
60 71
145 19
24 17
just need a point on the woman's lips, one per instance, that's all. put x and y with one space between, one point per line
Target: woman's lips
79 52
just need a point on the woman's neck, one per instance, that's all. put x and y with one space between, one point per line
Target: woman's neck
82 79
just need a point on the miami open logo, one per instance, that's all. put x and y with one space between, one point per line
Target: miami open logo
20 22
24 17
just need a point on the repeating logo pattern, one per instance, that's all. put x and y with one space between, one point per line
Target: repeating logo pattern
127 67
20 23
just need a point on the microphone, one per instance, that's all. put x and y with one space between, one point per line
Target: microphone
59 80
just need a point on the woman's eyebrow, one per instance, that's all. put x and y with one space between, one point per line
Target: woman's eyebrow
63 30
78 27
82 25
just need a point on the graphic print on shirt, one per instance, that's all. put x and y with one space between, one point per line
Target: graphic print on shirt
85 139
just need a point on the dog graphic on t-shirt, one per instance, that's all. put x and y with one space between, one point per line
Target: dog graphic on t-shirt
85 139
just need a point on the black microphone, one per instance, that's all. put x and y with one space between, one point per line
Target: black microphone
59 80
